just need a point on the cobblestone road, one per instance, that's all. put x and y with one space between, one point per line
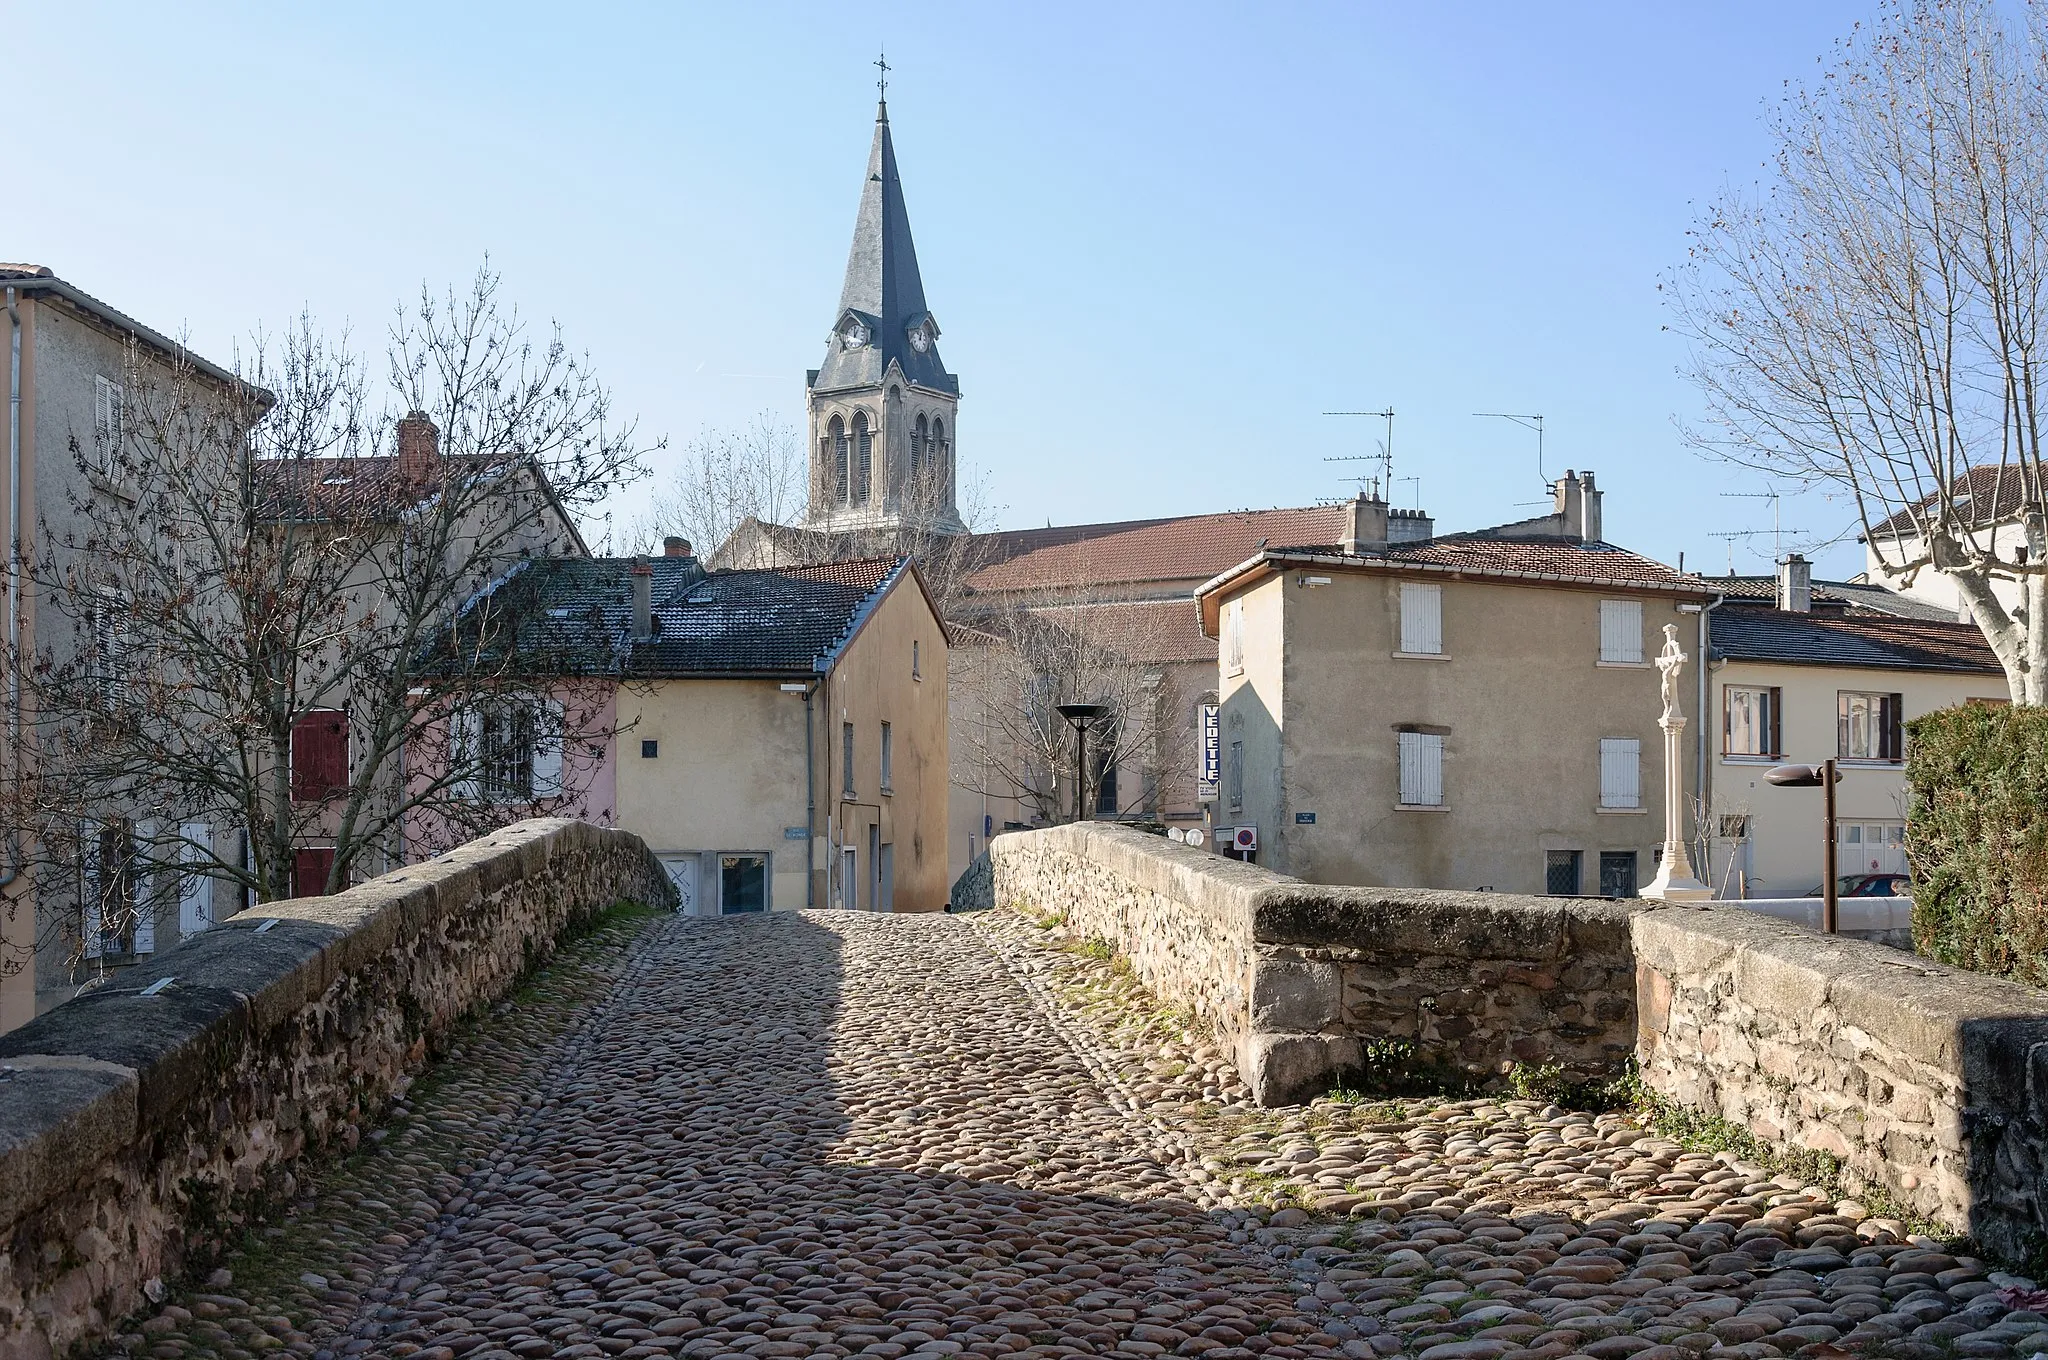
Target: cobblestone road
840 1134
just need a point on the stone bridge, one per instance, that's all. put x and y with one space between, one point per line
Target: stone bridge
840 1134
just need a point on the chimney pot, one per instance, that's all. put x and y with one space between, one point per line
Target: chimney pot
1795 584
675 547
419 447
1366 531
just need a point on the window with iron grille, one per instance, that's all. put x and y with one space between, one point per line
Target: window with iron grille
1561 872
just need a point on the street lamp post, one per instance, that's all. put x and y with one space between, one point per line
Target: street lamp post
1080 715
1824 776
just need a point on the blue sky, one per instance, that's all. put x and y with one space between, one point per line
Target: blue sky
1161 239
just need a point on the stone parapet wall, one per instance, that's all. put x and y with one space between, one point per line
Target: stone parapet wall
1922 1079
1296 979
139 1126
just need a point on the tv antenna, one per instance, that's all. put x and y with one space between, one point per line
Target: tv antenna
1528 423
1776 531
1385 458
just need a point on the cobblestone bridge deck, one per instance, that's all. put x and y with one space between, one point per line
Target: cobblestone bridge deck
840 1134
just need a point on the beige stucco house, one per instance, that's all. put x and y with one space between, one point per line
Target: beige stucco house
1803 670
1474 711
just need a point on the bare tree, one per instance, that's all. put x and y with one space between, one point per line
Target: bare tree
249 671
1873 320
1016 660
726 477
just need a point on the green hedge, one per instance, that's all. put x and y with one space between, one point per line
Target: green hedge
1978 839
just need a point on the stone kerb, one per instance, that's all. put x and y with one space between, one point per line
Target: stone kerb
1929 1082
135 1129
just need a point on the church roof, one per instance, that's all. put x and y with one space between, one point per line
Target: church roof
1185 548
883 288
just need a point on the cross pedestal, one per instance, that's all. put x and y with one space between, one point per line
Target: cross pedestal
1675 881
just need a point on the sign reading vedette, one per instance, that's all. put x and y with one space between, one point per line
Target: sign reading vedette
1212 755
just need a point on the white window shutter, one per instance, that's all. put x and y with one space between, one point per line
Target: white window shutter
1621 630
465 731
1422 769
1620 772
547 749
1422 618
195 888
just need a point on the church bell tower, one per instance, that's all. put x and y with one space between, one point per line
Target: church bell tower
882 408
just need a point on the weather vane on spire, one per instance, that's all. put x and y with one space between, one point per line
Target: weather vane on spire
883 63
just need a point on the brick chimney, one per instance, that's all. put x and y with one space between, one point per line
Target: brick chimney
1795 584
419 448
1366 529
675 547
643 599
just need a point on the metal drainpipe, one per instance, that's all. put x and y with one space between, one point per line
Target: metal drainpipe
1699 774
9 874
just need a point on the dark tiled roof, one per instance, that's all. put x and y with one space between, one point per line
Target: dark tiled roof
575 616
1841 593
1994 495
1540 559
1190 548
1848 637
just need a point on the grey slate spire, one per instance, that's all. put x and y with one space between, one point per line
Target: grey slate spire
883 290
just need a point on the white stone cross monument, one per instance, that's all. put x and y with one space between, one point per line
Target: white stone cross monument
1675 881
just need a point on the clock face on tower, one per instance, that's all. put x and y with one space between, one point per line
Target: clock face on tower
920 340
854 335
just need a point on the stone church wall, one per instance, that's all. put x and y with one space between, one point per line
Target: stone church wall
1928 1082
139 1123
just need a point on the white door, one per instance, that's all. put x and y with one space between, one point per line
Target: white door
682 871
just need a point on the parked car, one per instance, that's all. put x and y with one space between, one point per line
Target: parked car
1868 885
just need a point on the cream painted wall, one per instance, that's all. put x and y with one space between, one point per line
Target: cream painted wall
872 684
1521 698
1784 854
727 776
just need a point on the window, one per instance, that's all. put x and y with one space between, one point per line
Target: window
846 756
109 644
742 884
1561 872
1236 778
109 888
1103 758
1621 632
1617 873
841 486
888 753
1233 637
650 750
1867 726
942 450
509 750
1751 724
195 887
863 459
918 440
311 866
107 400
319 756
915 673
1422 767
1621 760
1422 619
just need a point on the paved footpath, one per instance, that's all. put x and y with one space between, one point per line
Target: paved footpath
838 1134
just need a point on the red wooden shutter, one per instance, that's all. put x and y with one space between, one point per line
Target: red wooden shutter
319 756
310 867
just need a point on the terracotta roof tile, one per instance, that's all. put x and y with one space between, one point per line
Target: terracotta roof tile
1190 548
1994 495
1851 637
1594 563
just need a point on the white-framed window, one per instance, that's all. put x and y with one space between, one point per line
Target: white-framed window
508 750
1621 772
1422 768
1233 637
1869 726
1751 724
888 757
107 402
1422 618
1621 632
